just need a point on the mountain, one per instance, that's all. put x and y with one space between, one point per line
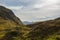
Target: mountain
10 25
7 15
11 28
46 30
26 22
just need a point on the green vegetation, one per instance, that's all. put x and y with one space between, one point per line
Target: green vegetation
11 28
47 30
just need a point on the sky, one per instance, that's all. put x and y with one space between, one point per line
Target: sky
33 10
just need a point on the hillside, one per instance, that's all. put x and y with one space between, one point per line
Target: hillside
47 30
10 25
11 28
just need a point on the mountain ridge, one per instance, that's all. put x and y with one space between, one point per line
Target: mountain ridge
12 28
9 23
43 30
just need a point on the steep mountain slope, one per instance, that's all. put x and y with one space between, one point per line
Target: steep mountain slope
11 28
7 16
47 30
10 24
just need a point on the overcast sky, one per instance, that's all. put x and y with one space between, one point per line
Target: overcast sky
33 10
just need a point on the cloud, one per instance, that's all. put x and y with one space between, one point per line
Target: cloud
45 12
15 7
2 4
34 10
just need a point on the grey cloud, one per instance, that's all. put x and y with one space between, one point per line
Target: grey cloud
31 13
